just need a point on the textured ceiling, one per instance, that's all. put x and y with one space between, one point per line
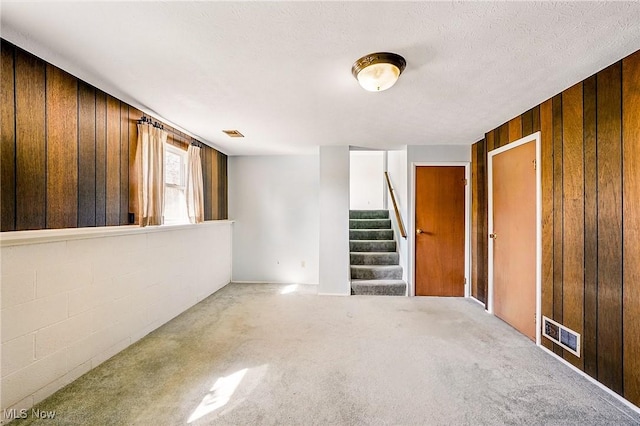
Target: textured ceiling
280 71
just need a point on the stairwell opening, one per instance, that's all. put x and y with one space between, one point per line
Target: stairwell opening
374 258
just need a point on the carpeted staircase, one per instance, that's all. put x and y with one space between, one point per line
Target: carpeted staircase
374 259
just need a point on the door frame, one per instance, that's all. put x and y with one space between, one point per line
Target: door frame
529 138
411 233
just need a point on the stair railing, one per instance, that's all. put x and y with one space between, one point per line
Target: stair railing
403 232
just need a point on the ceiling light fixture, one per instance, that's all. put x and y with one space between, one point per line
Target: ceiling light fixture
378 71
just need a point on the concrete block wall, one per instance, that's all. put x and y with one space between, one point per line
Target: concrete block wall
71 301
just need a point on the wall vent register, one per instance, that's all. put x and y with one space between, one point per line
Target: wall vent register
233 133
561 335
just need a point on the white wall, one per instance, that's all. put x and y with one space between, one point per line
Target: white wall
70 304
274 202
397 168
334 221
426 154
366 180
435 153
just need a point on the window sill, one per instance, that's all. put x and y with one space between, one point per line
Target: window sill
14 238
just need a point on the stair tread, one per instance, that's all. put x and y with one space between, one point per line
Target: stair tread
380 246
368 214
370 241
376 266
382 287
371 234
369 223
373 253
381 236
374 258
379 282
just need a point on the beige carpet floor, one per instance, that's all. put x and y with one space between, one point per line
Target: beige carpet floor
258 354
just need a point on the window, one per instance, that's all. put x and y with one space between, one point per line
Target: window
175 180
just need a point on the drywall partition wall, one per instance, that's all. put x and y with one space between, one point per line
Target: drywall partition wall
68 151
590 218
73 298
334 220
274 201
423 154
366 180
397 169
438 153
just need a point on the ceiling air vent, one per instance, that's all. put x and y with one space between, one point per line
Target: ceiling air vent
233 133
561 335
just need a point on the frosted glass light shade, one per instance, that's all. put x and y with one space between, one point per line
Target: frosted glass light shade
378 71
378 77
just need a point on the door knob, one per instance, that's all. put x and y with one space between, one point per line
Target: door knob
419 231
494 236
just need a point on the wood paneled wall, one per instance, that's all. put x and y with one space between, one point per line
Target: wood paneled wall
479 221
590 147
214 166
68 149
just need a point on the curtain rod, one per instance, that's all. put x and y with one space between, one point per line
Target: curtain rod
159 125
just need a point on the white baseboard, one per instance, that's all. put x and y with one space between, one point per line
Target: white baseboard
476 300
334 294
592 380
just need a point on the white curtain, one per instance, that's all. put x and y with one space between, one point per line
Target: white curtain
195 193
150 168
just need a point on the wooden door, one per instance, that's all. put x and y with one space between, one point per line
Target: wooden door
440 228
514 237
